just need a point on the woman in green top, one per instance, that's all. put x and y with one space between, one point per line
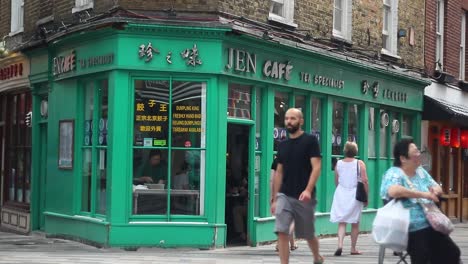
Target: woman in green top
152 171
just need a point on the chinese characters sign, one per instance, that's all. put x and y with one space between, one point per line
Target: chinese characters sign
151 113
190 55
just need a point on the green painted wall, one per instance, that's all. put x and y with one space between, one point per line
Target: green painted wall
114 56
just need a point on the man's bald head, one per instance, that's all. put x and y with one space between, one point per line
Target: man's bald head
295 111
293 120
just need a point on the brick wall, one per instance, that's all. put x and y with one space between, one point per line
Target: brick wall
5 17
452 36
178 5
315 16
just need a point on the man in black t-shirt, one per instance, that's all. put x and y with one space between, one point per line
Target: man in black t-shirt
299 165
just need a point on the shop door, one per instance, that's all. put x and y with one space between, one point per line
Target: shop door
464 185
238 161
42 164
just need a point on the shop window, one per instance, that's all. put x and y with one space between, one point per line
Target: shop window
299 102
406 130
394 127
258 171
101 179
239 104
316 117
169 142
384 122
94 148
17 148
282 11
371 133
17 16
342 19
258 150
281 106
353 122
337 129
258 119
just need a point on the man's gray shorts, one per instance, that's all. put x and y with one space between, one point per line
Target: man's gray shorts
289 209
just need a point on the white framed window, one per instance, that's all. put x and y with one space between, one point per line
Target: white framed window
390 28
81 5
282 11
440 35
342 19
462 48
17 16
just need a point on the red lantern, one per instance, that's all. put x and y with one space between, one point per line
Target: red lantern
464 139
455 138
444 137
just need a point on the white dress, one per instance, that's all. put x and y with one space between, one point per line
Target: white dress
345 208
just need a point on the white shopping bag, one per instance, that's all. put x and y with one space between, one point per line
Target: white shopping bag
390 227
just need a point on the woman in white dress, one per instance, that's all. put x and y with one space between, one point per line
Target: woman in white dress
345 208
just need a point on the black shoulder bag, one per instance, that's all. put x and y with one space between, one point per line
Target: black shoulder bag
361 194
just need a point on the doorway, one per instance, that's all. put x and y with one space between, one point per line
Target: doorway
237 180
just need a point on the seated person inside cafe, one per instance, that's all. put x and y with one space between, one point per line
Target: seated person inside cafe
154 170
237 195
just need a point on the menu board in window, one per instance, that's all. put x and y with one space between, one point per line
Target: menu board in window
151 113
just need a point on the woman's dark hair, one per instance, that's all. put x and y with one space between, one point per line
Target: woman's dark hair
154 152
401 149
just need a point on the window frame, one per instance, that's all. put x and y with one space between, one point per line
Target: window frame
346 20
288 13
461 75
95 147
168 216
392 28
17 17
439 52
81 5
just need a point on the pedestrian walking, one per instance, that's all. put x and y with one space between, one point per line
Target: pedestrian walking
411 183
345 208
292 242
299 165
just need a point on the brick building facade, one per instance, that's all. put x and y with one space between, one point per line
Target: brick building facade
445 101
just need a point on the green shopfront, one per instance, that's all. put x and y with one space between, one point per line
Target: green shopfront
163 136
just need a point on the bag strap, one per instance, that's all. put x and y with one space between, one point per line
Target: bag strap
410 184
358 173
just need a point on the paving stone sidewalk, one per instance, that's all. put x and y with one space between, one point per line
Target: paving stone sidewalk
38 249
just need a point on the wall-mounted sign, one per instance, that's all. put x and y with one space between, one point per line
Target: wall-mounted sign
96 60
388 94
241 61
11 71
64 64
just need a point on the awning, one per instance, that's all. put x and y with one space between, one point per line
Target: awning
440 109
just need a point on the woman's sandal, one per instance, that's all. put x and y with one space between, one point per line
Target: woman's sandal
338 252
293 247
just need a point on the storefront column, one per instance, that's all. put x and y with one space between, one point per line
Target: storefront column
416 127
267 140
120 182
327 183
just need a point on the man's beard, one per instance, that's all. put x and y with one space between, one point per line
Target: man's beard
292 129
